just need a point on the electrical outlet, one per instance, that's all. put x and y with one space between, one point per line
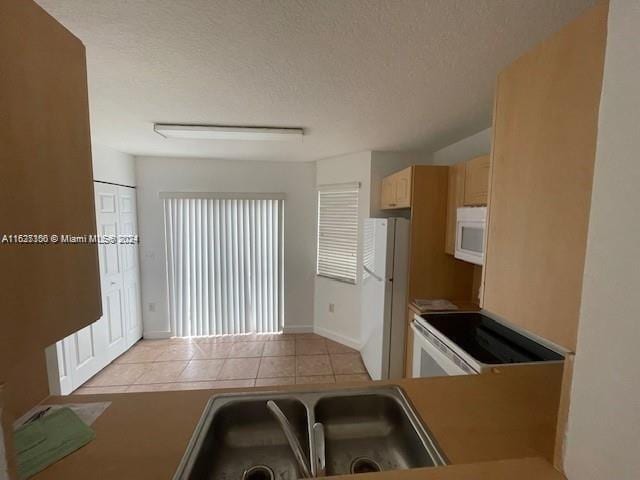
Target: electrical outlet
332 308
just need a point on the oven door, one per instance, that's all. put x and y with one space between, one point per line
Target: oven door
429 361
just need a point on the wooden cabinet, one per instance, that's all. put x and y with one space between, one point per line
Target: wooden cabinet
51 289
468 186
476 181
545 133
388 194
396 190
433 273
455 199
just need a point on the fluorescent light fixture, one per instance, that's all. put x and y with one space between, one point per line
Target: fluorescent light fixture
215 132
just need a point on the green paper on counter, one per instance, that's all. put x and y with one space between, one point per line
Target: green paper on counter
48 439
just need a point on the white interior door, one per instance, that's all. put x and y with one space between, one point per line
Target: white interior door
111 267
85 351
74 360
128 251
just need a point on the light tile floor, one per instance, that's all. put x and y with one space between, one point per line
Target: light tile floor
228 362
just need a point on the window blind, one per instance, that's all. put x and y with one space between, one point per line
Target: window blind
368 250
224 264
338 232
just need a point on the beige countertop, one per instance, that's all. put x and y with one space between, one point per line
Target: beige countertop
508 414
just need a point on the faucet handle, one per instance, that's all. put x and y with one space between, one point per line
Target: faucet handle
320 457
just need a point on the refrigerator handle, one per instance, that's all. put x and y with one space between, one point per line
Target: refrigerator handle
377 277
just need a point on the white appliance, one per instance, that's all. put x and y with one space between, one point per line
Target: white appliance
467 343
470 234
383 304
432 357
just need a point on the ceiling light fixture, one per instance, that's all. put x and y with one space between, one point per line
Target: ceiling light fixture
218 132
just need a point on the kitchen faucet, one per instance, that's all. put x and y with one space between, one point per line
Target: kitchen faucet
292 439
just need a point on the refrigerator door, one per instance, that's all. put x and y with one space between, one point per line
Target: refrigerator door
377 293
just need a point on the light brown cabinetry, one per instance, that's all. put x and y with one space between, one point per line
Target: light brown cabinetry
542 172
468 186
455 199
476 181
47 290
396 190
433 273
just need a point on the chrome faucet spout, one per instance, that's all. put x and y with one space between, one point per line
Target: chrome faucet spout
291 437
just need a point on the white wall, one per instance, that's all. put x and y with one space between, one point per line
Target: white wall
343 324
296 180
368 168
112 166
478 144
604 417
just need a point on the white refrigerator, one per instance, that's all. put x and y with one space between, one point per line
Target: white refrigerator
384 292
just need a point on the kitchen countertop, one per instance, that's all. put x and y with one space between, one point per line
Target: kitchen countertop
510 413
463 306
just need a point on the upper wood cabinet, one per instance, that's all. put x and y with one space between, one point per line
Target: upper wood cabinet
396 190
545 131
468 186
476 181
50 289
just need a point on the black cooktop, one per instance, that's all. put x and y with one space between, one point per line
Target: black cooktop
487 340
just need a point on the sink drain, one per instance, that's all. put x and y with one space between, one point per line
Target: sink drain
365 465
258 472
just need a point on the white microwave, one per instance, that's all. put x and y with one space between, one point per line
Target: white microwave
471 223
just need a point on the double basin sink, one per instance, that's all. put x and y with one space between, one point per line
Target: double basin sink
337 432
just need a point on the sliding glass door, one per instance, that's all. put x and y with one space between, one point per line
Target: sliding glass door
224 263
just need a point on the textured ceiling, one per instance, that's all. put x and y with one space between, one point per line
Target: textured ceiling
356 74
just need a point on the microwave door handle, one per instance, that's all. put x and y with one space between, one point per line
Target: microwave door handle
377 277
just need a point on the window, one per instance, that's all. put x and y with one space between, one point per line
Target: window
338 232
224 263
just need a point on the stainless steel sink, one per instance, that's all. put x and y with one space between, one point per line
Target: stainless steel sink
366 429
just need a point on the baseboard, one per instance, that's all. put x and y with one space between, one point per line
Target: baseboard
297 329
156 335
349 342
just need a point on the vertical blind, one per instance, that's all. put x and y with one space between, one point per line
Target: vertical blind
368 249
224 264
338 232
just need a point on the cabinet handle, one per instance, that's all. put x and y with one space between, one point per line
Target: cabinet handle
392 204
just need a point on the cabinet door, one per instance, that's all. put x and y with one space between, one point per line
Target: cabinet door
46 291
455 199
388 194
402 181
476 181
396 189
545 133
